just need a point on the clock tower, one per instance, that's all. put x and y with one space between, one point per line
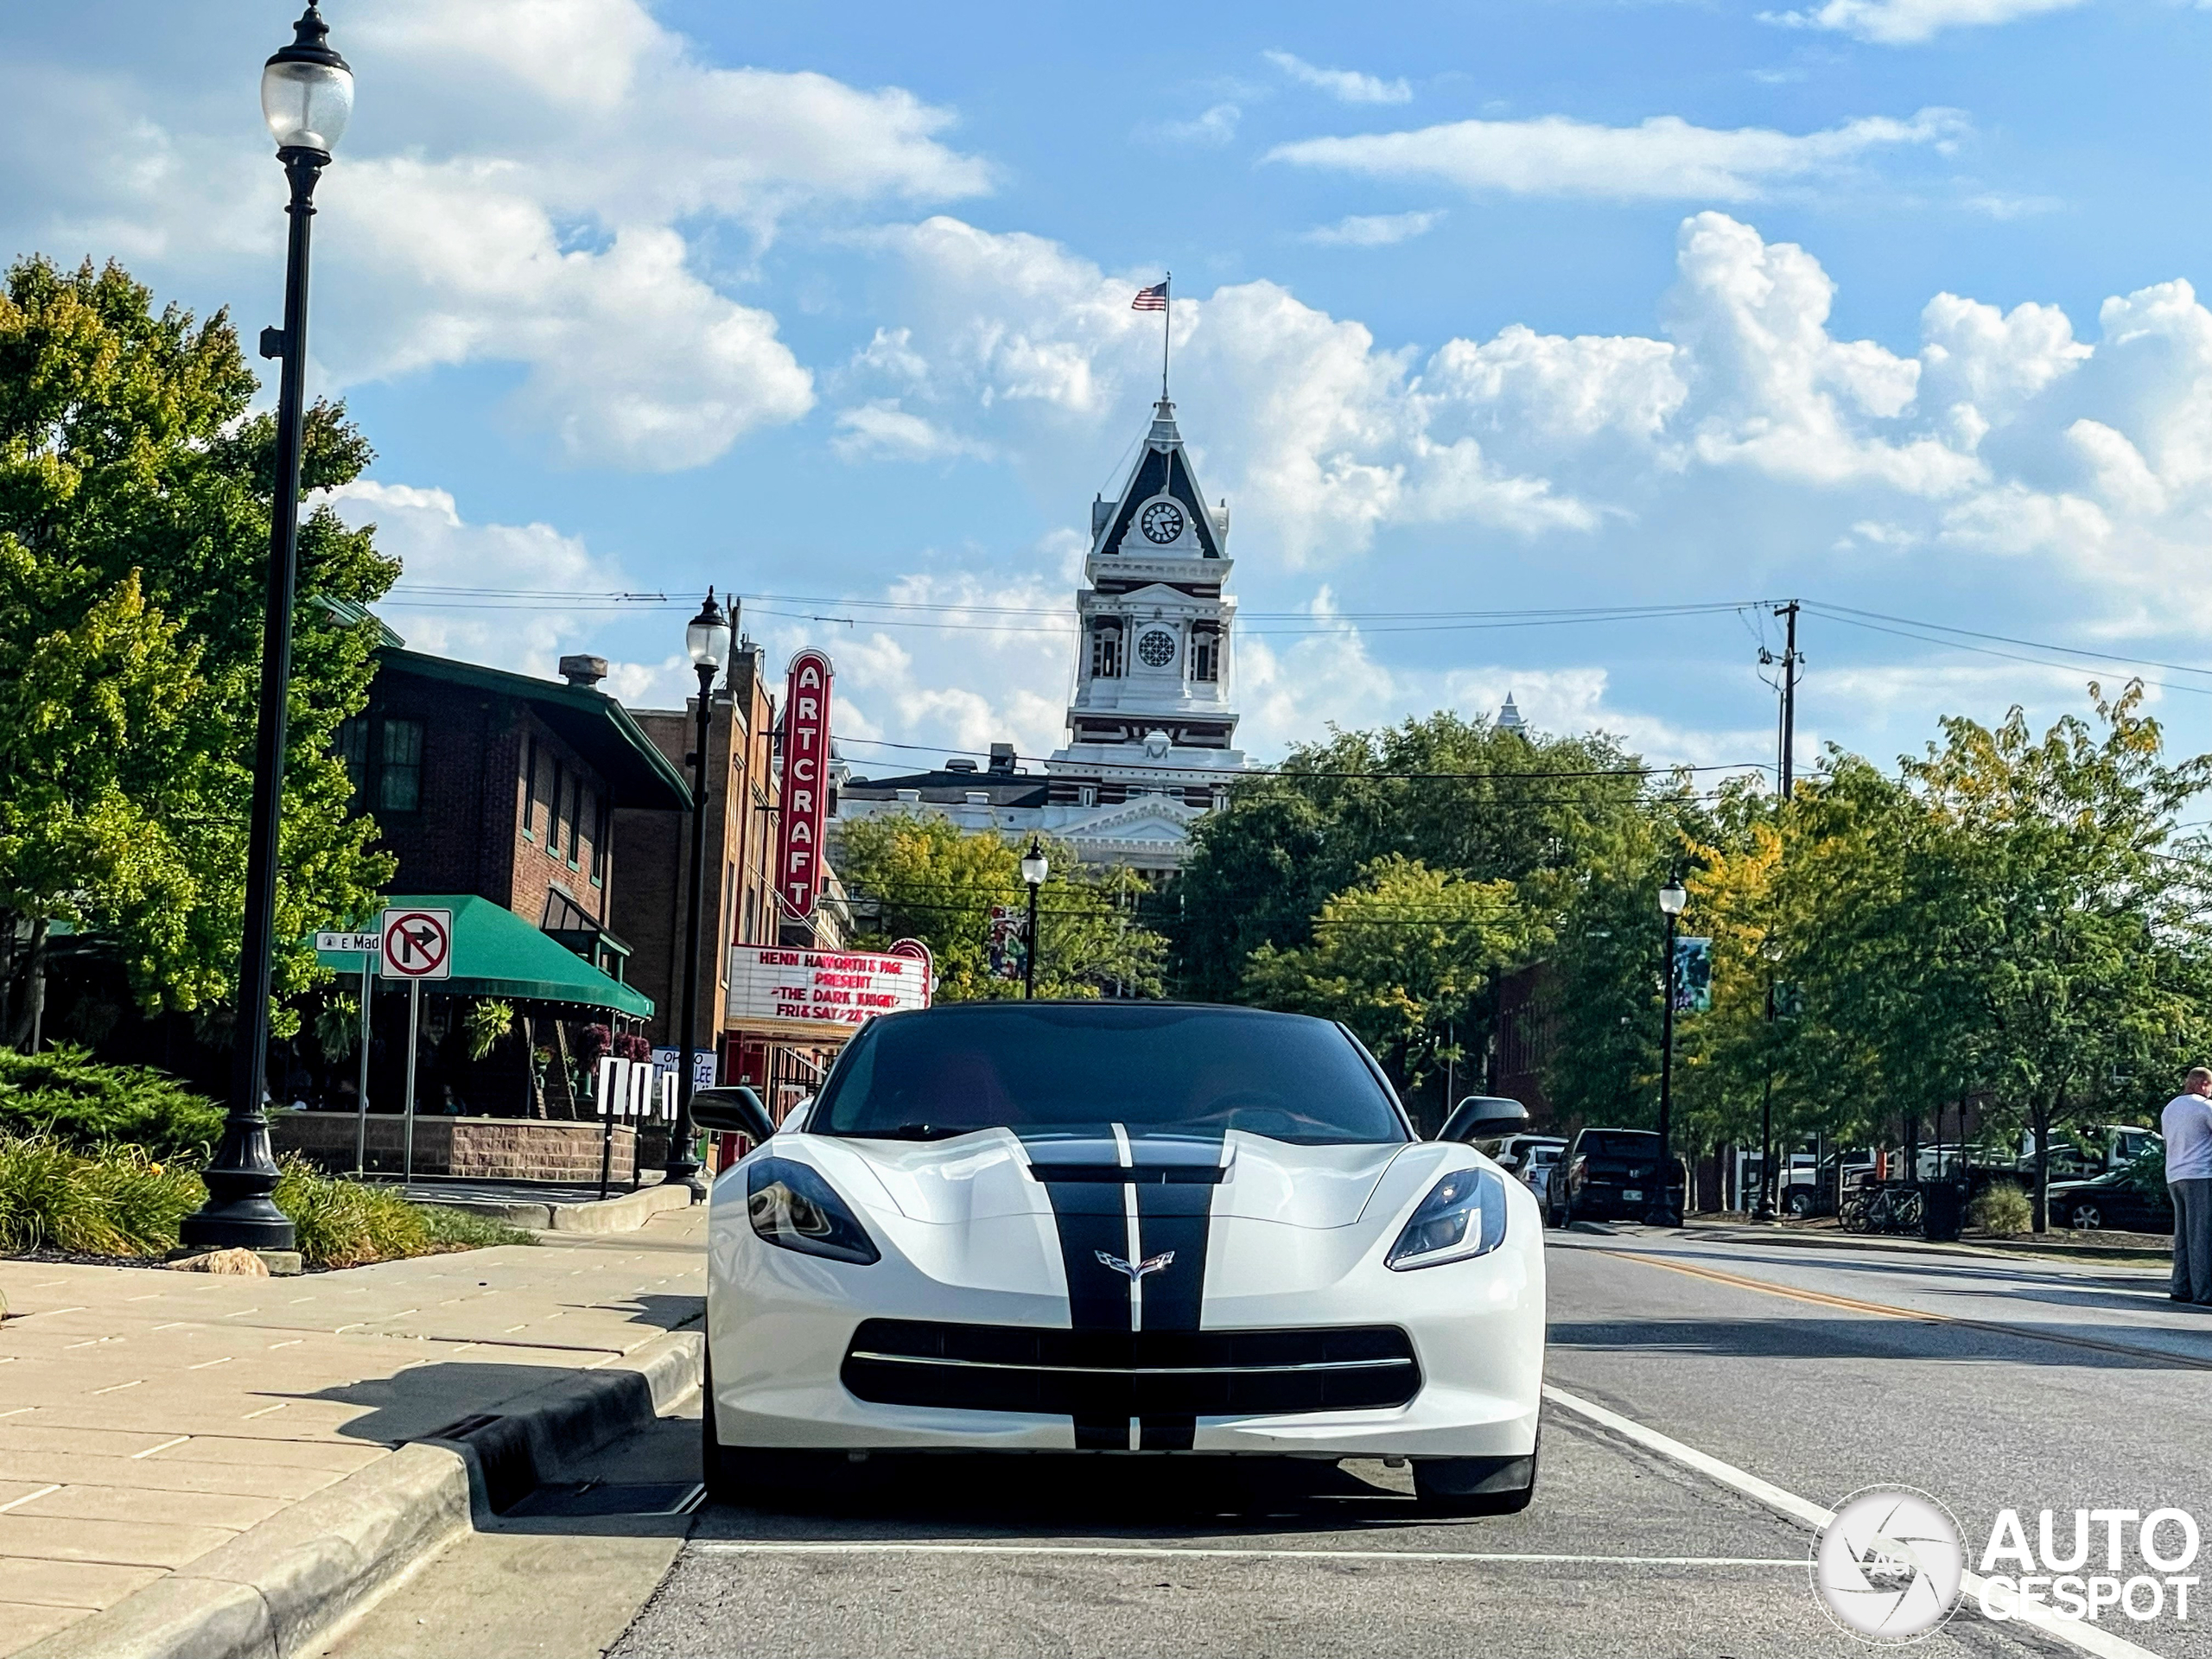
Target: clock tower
1153 712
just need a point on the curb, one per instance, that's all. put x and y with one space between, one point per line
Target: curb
278 1590
622 1214
1983 1249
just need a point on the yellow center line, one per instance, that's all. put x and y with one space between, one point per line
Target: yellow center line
1823 1298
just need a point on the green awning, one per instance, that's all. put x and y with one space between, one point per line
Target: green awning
496 953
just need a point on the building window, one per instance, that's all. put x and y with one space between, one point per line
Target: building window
354 750
1156 648
601 826
575 819
556 823
399 768
530 790
751 909
1106 651
1086 795
1206 654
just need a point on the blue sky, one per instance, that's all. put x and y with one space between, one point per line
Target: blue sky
1883 304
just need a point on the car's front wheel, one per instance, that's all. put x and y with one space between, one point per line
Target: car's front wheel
718 1466
1475 1485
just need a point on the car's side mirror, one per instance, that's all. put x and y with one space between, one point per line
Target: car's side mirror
1484 1117
735 1110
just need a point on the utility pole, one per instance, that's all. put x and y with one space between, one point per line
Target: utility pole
1789 698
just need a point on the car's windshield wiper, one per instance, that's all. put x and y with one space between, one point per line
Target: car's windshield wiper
911 1132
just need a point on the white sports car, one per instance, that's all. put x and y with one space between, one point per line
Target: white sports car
1121 1227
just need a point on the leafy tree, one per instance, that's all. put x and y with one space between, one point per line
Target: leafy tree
920 876
135 491
1396 956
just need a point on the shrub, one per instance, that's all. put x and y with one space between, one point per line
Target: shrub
121 1202
457 1230
65 1095
343 1224
2002 1211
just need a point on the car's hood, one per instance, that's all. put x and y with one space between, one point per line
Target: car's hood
994 1173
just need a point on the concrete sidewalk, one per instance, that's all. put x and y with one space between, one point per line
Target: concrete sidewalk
149 1417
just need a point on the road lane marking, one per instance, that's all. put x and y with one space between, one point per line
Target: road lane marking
2076 1633
164 1447
1826 1299
28 1496
742 1546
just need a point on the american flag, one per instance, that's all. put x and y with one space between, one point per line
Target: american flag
1151 299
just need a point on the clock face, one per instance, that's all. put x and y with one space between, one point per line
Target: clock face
1162 522
1157 648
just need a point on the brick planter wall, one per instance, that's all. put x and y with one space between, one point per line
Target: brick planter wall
487 1148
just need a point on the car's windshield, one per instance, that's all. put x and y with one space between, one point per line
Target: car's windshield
1149 1067
1618 1143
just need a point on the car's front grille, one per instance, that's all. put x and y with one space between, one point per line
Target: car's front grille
1130 1374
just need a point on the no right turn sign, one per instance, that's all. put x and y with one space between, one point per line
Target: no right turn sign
417 944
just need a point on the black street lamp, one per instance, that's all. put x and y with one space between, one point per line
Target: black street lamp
1034 869
1764 1212
1662 1211
707 637
307 95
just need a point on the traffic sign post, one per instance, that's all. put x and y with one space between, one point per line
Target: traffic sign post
368 947
417 944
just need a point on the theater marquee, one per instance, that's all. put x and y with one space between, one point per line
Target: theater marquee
822 995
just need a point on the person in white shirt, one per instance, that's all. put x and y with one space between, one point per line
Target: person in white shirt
2187 1122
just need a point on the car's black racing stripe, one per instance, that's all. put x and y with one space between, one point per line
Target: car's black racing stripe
1176 1217
1090 1218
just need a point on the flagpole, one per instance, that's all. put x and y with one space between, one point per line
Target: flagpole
1167 330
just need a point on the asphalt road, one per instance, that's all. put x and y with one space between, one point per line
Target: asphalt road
1989 1383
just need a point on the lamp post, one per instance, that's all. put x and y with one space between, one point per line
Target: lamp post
1034 869
707 637
307 95
1661 1213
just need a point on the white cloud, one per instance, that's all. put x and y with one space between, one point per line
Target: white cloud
440 549
1908 22
1345 86
881 431
1665 158
1216 125
1372 230
997 668
570 166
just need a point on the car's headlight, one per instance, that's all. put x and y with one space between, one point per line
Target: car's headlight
1463 1215
794 1208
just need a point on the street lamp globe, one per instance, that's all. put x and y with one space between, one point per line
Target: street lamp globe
707 636
1673 897
1034 869
307 90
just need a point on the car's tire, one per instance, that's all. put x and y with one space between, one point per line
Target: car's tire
1799 1205
719 1470
1476 1485
2085 1217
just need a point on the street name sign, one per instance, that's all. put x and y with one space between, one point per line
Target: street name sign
417 944
349 944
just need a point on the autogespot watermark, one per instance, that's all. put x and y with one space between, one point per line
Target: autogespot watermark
1892 1566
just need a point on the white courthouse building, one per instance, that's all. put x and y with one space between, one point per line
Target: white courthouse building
1153 722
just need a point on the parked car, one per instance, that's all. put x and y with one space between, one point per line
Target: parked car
1610 1173
1532 1159
2110 1201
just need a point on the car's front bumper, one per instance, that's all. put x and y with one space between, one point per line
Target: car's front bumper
780 1325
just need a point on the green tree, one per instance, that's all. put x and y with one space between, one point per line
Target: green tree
1399 957
135 490
921 876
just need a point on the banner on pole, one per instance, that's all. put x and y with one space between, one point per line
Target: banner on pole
1693 975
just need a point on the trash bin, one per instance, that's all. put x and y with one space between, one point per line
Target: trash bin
1943 1209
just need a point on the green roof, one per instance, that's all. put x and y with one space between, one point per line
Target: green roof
496 953
591 722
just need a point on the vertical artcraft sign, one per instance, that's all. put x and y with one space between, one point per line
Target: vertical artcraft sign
806 758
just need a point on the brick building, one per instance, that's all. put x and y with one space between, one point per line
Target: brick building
497 784
739 900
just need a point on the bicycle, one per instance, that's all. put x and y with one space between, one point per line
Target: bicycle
1888 1209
